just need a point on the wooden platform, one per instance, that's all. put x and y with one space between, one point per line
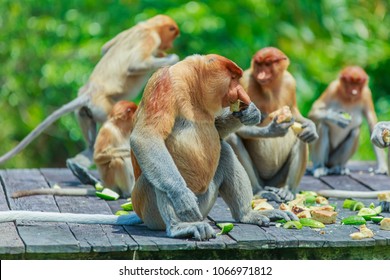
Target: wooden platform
33 240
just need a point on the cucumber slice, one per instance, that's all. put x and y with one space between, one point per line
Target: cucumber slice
128 206
121 212
99 187
357 206
353 220
107 194
307 222
377 219
225 228
293 224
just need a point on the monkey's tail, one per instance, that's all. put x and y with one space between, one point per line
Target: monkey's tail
67 108
11 216
350 194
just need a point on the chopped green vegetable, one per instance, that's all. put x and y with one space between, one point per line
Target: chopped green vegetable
357 206
353 220
307 222
367 213
310 199
308 193
99 187
282 221
128 206
346 115
107 194
293 224
348 203
225 228
121 212
377 219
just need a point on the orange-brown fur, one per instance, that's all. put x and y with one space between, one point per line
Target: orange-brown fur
179 92
112 148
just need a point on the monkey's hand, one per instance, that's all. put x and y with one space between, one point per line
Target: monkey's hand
263 218
249 116
171 59
377 136
276 129
309 132
337 118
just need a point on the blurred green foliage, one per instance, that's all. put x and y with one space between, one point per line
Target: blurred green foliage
49 47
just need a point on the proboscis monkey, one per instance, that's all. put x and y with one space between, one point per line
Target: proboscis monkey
183 161
380 137
338 114
111 156
272 154
128 60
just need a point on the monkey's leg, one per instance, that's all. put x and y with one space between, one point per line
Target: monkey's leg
243 156
82 173
181 227
235 189
339 157
80 163
157 212
283 185
319 151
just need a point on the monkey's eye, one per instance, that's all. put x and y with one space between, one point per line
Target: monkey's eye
172 28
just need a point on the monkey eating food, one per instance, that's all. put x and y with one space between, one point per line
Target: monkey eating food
338 114
183 163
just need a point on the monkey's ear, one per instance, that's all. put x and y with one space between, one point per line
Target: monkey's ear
233 68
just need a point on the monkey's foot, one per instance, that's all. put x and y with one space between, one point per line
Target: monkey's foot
320 171
263 218
198 230
339 170
276 194
81 173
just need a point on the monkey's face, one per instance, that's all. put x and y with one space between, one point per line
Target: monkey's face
268 64
168 33
352 89
222 81
353 79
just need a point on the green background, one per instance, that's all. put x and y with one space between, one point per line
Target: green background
48 49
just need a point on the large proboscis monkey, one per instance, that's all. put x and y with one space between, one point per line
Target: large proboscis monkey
183 162
272 154
128 60
112 156
338 114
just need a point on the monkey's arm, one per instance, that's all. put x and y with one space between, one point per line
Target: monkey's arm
148 146
320 112
273 129
152 63
380 154
228 122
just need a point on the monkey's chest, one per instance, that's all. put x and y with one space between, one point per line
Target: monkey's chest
339 134
195 149
270 154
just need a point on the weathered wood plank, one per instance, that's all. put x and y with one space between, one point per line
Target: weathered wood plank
375 182
38 237
96 238
312 184
10 242
344 183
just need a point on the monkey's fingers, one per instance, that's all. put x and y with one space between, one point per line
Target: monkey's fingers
277 214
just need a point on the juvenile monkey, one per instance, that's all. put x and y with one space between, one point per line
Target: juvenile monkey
183 162
338 114
128 60
111 156
273 156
